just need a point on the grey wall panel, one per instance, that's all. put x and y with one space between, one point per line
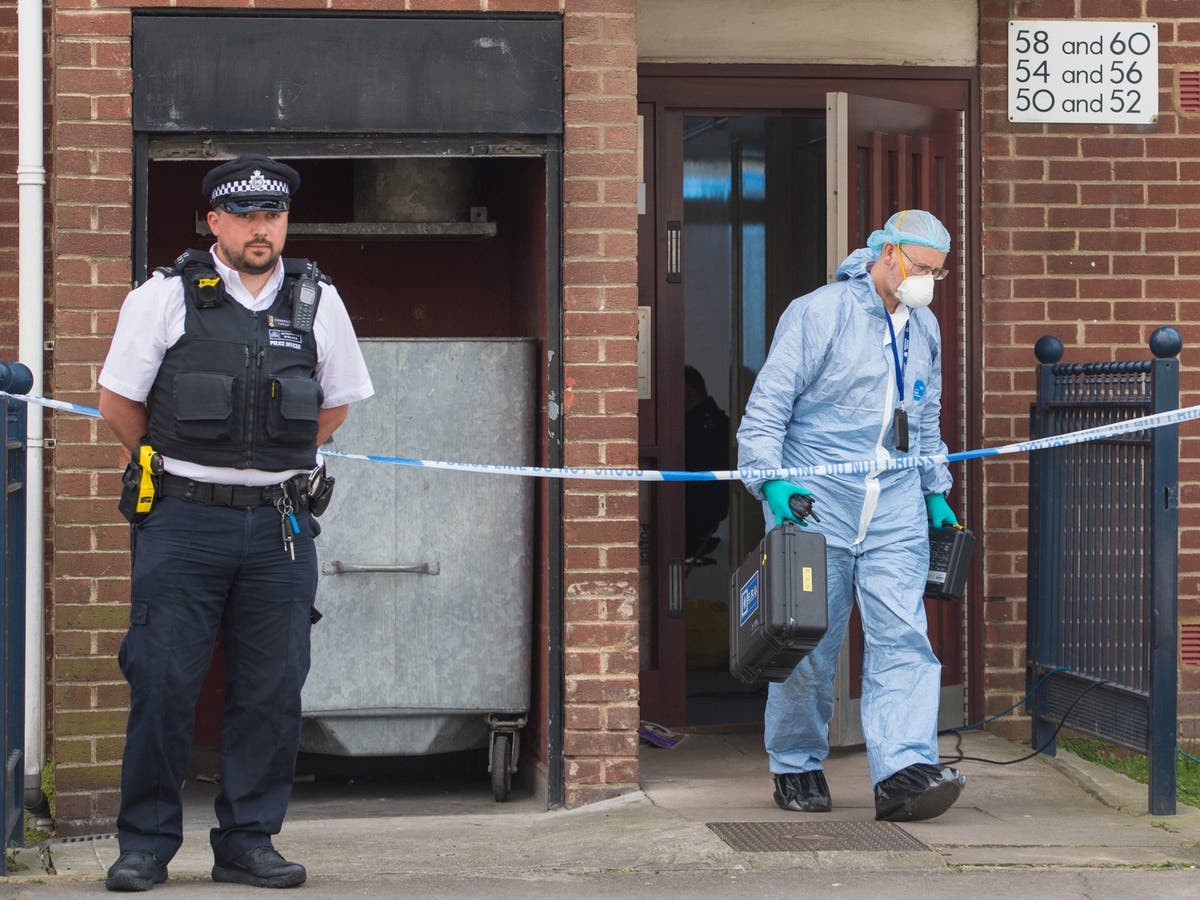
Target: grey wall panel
811 32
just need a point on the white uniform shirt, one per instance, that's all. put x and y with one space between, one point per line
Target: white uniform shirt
152 320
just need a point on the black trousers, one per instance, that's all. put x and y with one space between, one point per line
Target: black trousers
198 568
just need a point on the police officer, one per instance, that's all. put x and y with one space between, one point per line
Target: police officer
233 367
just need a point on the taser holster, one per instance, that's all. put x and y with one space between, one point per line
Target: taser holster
140 484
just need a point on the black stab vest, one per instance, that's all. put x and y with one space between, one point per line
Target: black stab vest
239 388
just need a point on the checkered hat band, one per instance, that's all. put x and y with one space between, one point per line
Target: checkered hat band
255 185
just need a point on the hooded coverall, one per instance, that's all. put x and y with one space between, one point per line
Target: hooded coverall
827 393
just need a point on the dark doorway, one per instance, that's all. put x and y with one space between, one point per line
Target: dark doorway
747 251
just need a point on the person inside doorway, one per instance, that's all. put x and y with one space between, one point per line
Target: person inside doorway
705 449
224 376
853 374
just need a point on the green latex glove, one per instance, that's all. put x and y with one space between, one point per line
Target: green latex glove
777 493
940 513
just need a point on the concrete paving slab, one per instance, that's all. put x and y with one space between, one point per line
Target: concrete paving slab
1035 812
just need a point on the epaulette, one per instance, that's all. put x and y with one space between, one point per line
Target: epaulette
295 266
186 258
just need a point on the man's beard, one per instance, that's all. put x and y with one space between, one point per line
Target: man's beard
239 261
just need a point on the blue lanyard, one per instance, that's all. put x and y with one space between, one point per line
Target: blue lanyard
900 366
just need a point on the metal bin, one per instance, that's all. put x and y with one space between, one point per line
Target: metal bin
427 574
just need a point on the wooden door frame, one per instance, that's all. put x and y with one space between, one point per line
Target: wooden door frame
779 86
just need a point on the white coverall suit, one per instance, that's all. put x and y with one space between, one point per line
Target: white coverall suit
827 393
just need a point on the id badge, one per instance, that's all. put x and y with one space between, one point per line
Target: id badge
900 421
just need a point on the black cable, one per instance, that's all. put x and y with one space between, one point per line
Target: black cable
961 728
958 732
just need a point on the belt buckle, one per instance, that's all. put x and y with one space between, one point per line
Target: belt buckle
222 495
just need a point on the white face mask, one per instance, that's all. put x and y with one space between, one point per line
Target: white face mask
915 291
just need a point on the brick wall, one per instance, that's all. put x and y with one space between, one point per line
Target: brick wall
91 205
1088 234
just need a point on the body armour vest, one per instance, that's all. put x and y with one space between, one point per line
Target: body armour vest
238 389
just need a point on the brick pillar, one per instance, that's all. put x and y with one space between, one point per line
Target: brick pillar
90 195
1088 234
600 398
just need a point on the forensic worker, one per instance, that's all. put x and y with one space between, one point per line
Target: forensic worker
854 373
233 366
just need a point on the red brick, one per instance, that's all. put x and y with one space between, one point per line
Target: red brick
1078 217
1084 264
621 771
601 689
1126 241
1143 265
1043 240
1113 194
579 718
599 743
584 771
589 217
93 81
1048 146
1075 170
579 663
578 323
109 22
1146 171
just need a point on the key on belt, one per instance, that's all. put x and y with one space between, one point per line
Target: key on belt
288 524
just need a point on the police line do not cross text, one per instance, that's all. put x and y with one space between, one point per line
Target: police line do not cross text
1082 71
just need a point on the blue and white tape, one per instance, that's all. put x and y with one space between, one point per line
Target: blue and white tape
855 467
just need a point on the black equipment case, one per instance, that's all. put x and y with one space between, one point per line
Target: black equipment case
950 551
777 604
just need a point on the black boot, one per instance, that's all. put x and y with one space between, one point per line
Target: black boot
135 870
919 791
260 867
803 791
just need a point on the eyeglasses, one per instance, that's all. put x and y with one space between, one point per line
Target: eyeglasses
922 269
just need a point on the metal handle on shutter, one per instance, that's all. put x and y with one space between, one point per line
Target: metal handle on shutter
337 567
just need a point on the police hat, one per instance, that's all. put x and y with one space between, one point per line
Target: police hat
251 182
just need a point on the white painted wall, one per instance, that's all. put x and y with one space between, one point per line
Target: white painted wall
859 32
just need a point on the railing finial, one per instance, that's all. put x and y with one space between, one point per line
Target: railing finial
1048 349
1166 342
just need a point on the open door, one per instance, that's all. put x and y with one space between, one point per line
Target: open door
736 231
884 156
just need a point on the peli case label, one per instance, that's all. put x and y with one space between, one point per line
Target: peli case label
748 601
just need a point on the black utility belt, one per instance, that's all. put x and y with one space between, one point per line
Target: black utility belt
239 496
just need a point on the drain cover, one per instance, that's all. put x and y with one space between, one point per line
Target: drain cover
792 837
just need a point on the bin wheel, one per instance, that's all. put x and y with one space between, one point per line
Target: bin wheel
502 742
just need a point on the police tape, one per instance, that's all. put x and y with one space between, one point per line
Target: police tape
852 467
855 467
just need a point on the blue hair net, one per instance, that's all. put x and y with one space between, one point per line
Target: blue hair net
912 226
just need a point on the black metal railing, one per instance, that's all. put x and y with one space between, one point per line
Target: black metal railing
15 379
1102 624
